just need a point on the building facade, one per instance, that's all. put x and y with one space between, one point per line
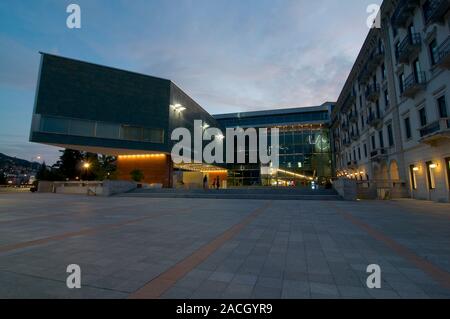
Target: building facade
98 109
391 124
305 151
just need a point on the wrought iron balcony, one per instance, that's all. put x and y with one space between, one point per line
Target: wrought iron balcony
349 101
373 92
409 47
378 154
436 10
346 142
375 59
344 127
353 116
414 83
364 75
374 121
403 12
444 54
436 131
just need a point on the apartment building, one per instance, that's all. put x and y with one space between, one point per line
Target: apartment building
391 124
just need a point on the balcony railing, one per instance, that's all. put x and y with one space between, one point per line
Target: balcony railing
374 121
414 83
435 131
354 136
349 101
410 46
353 117
403 12
364 75
378 154
436 10
444 54
346 142
373 92
344 127
375 59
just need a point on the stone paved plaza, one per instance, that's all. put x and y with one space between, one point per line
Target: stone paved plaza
204 248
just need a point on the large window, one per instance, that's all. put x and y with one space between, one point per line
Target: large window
442 105
408 128
423 117
107 130
430 175
412 174
447 164
380 135
401 82
55 125
82 128
390 135
434 53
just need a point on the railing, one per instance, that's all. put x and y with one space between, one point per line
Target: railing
373 92
373 120
436 10
403 12
444 52
378 153
414 83
346 142
408 46
437 126
353 116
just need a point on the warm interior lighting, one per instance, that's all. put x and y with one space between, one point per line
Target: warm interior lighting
142 156
295 174
415 169
86 165
433 166
178 107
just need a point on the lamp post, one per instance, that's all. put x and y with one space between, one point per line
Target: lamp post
86 167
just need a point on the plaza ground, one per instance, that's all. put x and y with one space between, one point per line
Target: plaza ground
213 248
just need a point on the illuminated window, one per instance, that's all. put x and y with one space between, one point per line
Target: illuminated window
413 177
430 175
55 125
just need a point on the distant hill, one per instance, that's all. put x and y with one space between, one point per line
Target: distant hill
8 161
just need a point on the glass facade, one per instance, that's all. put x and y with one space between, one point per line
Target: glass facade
305 151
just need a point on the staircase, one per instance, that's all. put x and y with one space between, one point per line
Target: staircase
239 193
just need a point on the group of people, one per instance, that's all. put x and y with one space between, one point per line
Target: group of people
215 184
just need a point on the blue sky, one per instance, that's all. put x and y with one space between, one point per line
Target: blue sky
229 55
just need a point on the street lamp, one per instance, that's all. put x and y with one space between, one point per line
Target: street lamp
86 167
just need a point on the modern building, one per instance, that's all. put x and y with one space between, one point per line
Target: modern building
98 109
305 151
391 124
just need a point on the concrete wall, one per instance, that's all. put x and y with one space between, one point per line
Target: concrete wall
346 188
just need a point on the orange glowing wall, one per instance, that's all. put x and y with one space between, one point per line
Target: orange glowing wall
213 175
157 169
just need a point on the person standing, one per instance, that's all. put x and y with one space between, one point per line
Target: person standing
205 182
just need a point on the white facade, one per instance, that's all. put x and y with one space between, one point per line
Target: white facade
391 124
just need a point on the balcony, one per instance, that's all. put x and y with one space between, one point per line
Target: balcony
409 47
375 59
403 12
378 155
374 121
344 127
373 92
436 11
414 84
346 142
364 76
444 54
353 117
435 132
352 164
354 136
349 101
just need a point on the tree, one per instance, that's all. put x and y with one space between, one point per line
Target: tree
2 178
137 175
69 163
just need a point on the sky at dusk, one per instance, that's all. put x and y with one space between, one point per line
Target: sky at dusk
229 55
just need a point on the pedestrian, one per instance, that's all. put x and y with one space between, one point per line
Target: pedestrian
205 182
217 182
